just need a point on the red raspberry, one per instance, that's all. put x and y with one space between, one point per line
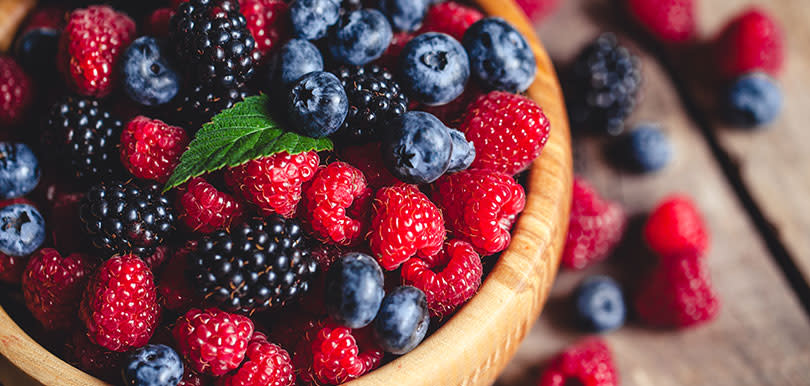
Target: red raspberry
151 149
595 227
157 24
119 307
390 59
676 227
11 268
509 131
89 48
452 113
274 183
53 286
751 41
175 293
671 21
268 22
205 209
294 328
155 261
537 10
212 341
587 363
266 365
404 223
51 16
94 359
451 18
339 354
192 378
67 230
337 202
678 294
368 159
449 280
480 206
16 92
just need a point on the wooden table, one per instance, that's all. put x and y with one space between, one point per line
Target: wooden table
753 187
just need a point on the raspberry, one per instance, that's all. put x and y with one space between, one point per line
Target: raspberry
404 223
89 48
66 227
157 24
212 341
678 294
11 268
450 279
451 18
751 41
595 227
339 354
266 365
671 21
175 292
537 10
155 260
509 131
452 113
205 209
676 227
390 58
53 286
192 378
274 183
368 159
16 93
588 362
337 202
119 306
480 207
268 22
151 149
92 358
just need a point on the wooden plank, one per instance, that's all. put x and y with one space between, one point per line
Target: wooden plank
760 336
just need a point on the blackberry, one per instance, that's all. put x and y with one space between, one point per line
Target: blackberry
199 104
602 86
375 98
82 137
211 36
257 265
127 217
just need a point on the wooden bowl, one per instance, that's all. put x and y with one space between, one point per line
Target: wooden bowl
477 342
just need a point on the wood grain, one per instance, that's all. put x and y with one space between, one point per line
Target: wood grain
12 14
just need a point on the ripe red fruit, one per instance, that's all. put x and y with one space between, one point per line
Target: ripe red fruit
268 22
368 159
92 358
266 364
67 231
205 209
16 92
337 354
670 21
451 18
212 341
11 268
595 227
750 42
337 203
588 362
151 149
175 293
452 113
676 228
537 10
157 24
390 58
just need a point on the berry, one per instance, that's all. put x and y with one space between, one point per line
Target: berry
600 304
119 306
22 230
405 15
66 228
403 320
175 292
149 78
602 86
508 131
38 40
390 58
16 94
453 112
258 265
368 159
500 57
480 207
311 19
273 183
19 170
201 102
93 358
205 209
157 24
53 286
375 99
297 58
450 18
670 21
11 268
340 354
90 49
360 37
595 227
266 364
448 279
152 365
417 147
354 290
649 148
676 227
151 149
212 341
317 104
336 204
752 41
678 294
127 217
268 22
463 153
435 68
753 100
538 10
588 362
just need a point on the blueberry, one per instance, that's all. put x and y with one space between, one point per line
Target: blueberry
403 320
318 104
153 365
354 290
148 77
435 68
500 57
19 170
36 51
649 148
297 58
22 230
463 153
405 15
600 304
417 147
360 37
311 19
753 100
